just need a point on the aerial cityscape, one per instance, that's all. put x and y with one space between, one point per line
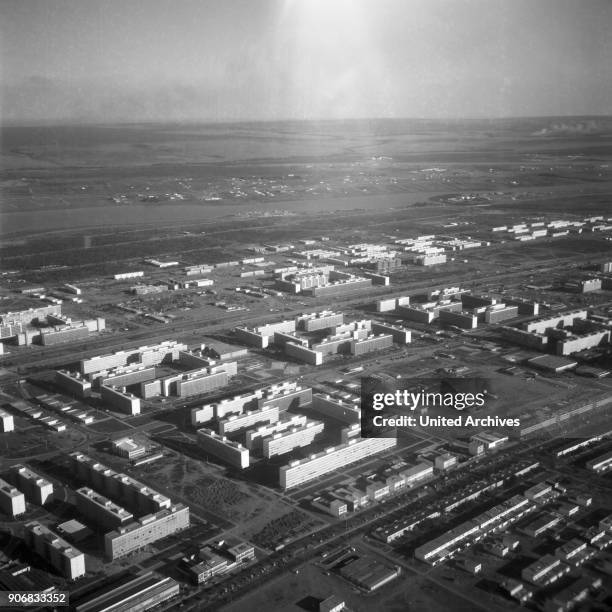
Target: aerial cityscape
310 355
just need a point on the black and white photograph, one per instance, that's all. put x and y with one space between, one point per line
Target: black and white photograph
306 305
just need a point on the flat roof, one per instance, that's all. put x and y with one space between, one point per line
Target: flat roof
552 362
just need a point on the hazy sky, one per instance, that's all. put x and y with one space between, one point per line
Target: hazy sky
109 60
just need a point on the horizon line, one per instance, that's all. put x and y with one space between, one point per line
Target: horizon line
12 123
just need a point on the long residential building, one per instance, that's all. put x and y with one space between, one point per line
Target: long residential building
254 437
146 530
101 510
69 561
561 320
298 472
219 446
238 422
12 500
284 395
143 355
319 320
31 315
38 490
400 335
284 442
130 492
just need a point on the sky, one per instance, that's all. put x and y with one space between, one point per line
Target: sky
233 60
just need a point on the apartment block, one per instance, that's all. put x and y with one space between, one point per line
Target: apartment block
100 509
73 383
465 320
120 399
146 530
319 320
69 561
336 408
166 351
400 335
333 458
219 446
558 321
371 343
284 442
12 500
38 490
7 423
303 353
238 422
254 437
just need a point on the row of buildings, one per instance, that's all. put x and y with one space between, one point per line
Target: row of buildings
45 325
99 501
563 333
112 374
23 484
311 337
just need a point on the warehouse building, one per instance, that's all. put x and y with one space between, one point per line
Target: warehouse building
600 464
551 363
138 593
545 571
368 573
